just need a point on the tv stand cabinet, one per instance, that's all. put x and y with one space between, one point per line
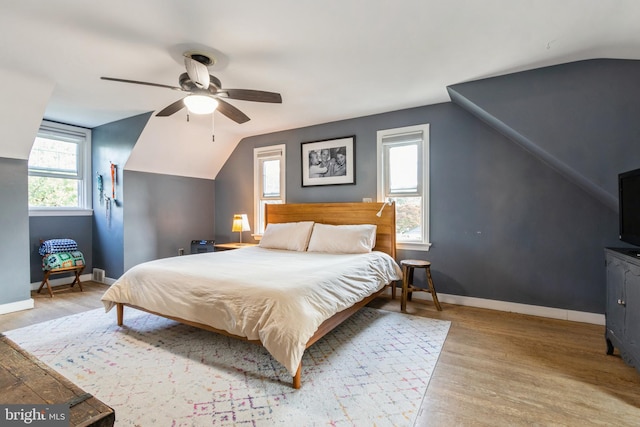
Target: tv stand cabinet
623 304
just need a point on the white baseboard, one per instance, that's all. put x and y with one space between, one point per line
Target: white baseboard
16 306
513 307
67 280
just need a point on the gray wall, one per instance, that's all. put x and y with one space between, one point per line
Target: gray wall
14 231
504 224
580 118
164 213
112 143
507 227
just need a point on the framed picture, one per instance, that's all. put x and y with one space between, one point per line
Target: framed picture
329 162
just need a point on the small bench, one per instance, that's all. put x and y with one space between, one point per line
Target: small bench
77 270
60 256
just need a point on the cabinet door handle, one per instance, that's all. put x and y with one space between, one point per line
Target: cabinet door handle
621 302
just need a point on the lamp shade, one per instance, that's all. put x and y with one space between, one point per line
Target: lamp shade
240 223
200 104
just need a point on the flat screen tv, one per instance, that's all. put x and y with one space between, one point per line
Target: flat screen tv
629 199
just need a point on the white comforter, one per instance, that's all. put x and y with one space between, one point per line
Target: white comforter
279 297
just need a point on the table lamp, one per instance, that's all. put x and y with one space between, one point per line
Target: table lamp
240 224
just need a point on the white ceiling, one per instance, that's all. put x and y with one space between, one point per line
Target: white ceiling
330 59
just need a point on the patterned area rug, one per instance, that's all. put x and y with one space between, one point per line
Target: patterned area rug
373 369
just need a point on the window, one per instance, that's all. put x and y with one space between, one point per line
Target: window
60 169
268 179
403 176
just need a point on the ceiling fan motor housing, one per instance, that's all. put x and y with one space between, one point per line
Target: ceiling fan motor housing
186 83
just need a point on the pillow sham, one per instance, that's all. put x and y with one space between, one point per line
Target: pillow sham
291 236
342 239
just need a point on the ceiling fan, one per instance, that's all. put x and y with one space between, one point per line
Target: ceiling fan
205 92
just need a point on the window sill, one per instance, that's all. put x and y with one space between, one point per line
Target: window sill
60 212
414 246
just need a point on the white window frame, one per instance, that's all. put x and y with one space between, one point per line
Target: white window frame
260 154
423 173
83 138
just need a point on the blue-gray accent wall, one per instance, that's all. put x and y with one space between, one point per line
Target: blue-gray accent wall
111 143
505 224
580 118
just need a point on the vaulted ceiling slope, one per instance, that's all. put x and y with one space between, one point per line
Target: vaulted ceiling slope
580 118
330 60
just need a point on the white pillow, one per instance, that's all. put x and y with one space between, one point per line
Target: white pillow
342 239
291 236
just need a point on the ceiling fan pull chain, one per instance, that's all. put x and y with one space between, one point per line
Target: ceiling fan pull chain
213 127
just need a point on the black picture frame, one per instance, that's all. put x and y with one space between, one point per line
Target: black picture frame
328 161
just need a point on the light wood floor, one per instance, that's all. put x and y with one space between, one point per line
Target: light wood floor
496 368
64 303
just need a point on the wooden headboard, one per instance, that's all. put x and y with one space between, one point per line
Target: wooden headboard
341 214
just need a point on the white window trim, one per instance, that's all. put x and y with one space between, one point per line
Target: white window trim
256 180
60 212
424 128
86 190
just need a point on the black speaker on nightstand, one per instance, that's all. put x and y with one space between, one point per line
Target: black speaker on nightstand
202 246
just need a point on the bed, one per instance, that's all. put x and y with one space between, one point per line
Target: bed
285 293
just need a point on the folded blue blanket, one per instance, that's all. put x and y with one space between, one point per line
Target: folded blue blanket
54 246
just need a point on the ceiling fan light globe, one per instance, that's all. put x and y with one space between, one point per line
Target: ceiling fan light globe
200 104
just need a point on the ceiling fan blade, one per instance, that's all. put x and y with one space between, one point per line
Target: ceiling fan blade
172 108
198 72
253 95
232 112
140 83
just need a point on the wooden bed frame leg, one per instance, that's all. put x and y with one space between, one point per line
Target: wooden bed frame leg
297 378
120 311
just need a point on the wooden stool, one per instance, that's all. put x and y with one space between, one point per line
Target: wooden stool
408 265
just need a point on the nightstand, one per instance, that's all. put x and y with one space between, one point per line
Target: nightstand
230 246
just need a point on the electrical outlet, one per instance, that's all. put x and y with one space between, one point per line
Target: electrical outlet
367 200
